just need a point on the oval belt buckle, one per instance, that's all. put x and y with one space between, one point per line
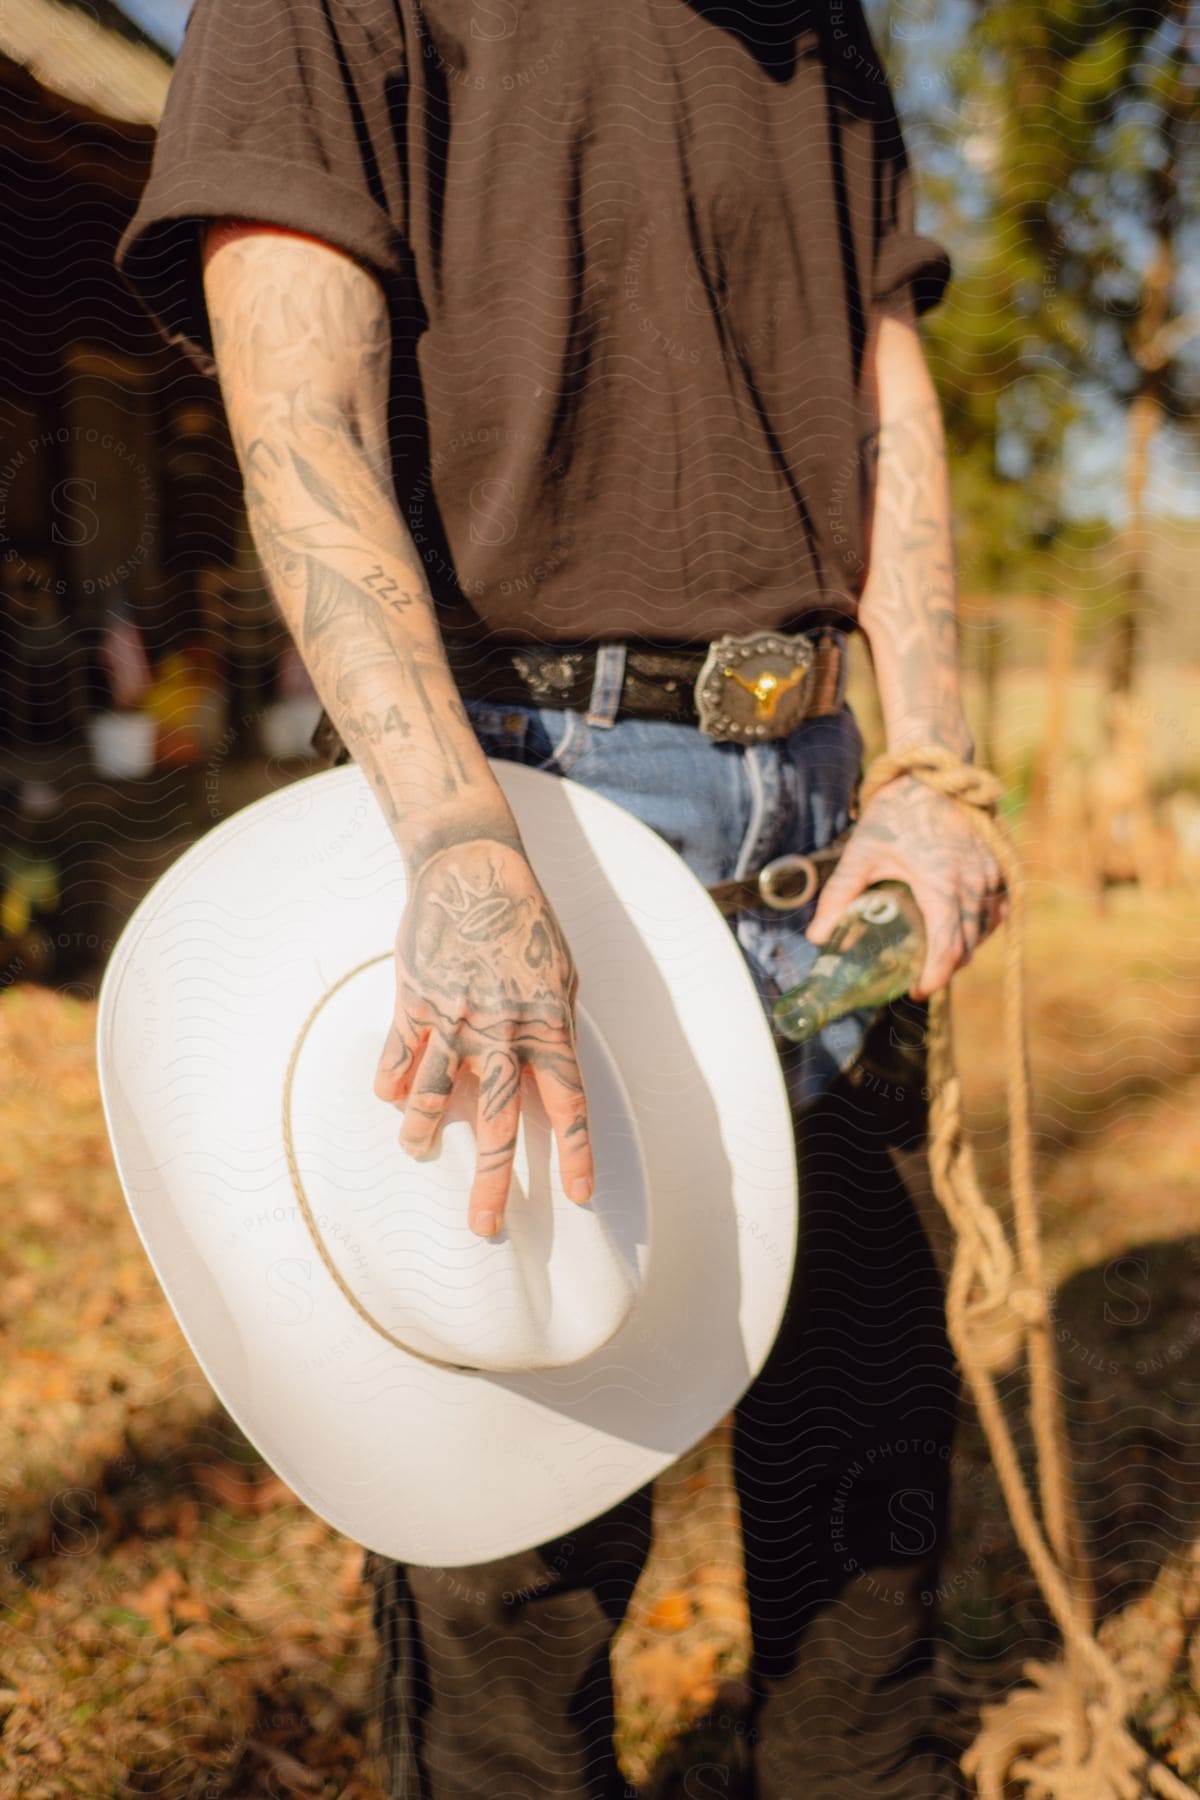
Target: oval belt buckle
754 687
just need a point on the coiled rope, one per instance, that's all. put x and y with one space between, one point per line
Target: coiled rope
1065 1737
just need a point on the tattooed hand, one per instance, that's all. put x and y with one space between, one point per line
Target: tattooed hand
909 833
485 994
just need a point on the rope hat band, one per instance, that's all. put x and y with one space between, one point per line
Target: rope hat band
297 1182
517 1270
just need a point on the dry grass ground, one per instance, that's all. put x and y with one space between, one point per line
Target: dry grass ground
174 1623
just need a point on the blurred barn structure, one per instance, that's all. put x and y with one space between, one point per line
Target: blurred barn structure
116 475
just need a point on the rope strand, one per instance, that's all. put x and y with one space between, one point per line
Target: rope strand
1066 1736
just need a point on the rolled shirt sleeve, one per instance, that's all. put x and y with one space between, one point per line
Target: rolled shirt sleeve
904 256
279 112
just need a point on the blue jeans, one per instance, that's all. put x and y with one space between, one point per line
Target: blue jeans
493 1679
726 810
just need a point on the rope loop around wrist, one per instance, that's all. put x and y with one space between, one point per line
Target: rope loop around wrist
941 769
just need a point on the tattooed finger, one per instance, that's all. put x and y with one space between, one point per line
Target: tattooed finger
495 1147
499 1083
567 1113
429 1097
947 949
398 1059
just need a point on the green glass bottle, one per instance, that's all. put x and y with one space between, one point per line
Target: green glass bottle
873 954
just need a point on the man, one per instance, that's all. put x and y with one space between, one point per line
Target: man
559 344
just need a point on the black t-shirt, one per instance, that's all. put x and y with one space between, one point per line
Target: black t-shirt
630 248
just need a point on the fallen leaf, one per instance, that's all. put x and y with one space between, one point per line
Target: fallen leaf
205 1643
721 1607
675 1679
242 1492
189 1609
285 1768
273 1492
717 1575
153 1601
673 1612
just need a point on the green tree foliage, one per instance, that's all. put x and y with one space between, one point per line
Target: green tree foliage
1063 140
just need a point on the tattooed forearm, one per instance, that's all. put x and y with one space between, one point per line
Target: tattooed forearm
373 726
385 588
335 604
327 498
302 340
906 831
348 631
908 610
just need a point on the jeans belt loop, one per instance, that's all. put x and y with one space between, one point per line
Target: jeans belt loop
608 679
839 640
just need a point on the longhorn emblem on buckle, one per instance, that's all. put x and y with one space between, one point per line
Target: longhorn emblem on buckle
754 687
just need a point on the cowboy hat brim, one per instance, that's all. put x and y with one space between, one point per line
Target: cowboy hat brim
199 1010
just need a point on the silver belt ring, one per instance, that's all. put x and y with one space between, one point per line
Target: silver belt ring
773 879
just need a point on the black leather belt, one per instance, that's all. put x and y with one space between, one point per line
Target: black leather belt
737 689
677 682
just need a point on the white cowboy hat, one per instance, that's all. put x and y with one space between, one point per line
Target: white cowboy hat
439 1397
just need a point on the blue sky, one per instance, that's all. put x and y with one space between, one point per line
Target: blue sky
162 20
